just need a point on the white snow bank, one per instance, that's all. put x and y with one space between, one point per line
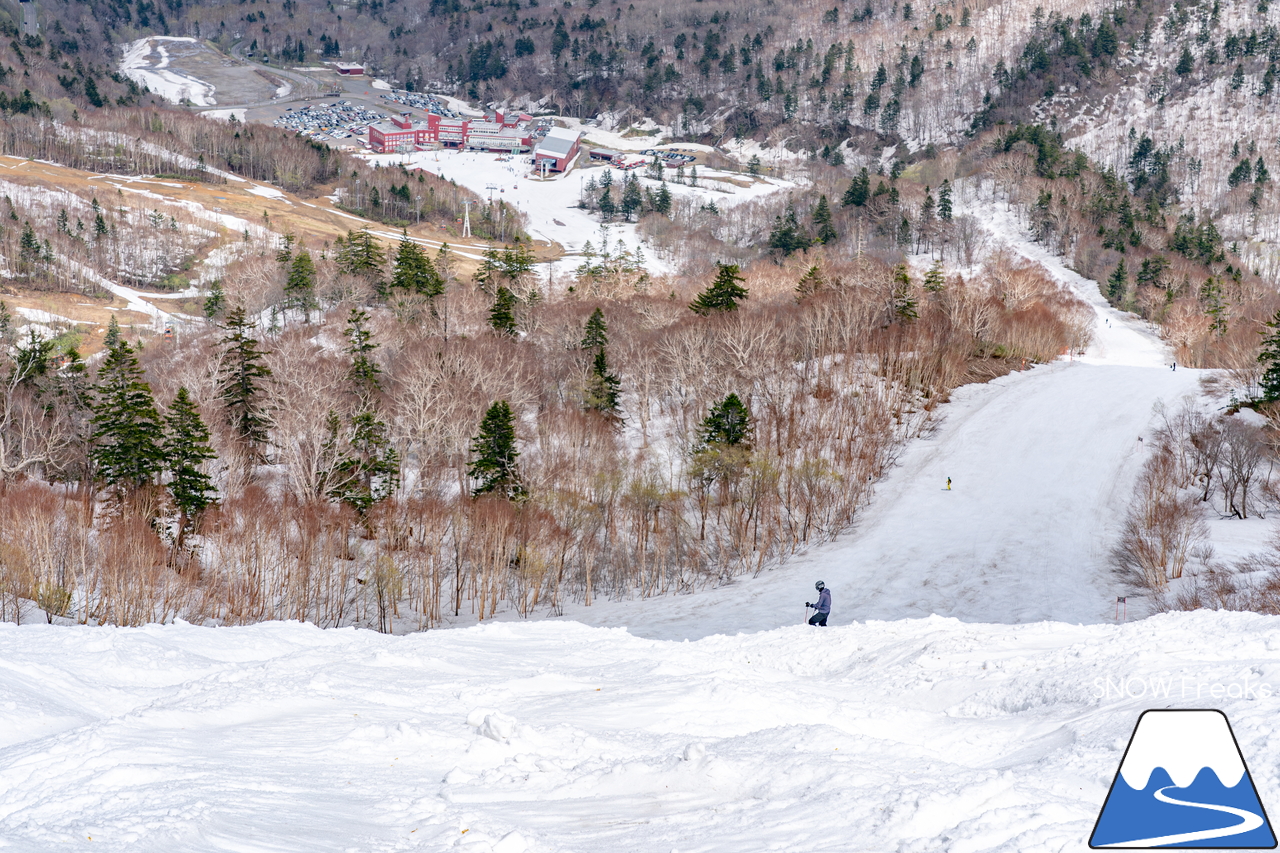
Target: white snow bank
266 192
173 86
922 735
41 316
380 84
225 115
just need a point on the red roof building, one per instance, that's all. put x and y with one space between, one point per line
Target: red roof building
496 132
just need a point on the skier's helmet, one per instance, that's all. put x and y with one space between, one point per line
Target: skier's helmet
819 585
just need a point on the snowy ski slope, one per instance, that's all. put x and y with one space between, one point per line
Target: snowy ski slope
1042 464
932 734
918 735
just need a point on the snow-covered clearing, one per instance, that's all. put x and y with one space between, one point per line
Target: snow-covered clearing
175 87
552 204
226 115
921 735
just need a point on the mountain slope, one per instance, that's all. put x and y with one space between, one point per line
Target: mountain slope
1043 464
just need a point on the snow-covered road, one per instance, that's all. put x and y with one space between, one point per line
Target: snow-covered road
918 735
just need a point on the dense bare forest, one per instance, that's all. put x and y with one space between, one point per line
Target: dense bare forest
651 448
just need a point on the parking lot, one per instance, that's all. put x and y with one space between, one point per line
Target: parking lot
419 101
329 121
675 157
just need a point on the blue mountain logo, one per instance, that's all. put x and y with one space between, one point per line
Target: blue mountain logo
1183 783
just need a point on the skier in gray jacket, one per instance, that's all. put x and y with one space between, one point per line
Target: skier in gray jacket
822 605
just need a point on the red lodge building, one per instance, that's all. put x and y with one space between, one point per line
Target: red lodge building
508 133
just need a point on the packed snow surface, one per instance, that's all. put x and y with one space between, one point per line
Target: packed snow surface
917 735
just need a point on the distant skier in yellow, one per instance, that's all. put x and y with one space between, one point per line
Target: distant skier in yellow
948 484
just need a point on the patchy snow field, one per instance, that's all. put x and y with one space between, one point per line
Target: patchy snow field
551 204
146 62
925 735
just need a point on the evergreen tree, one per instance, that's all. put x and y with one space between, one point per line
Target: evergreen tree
360 255
30 252
495 465
112 338
186 447
859 190
1186 62
753 165
727 425
126 426
811 282
903 300
596 332
414 272
934 280
516 262
215 302
1237 78
601 393
1241 174
662 202
31 360
904 232
240 383
300 287
723 294
284 256
787 235
631 197
488 275
1118 284
1270 356
826 232
502 317
370 471
944 201
607 207
360 346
